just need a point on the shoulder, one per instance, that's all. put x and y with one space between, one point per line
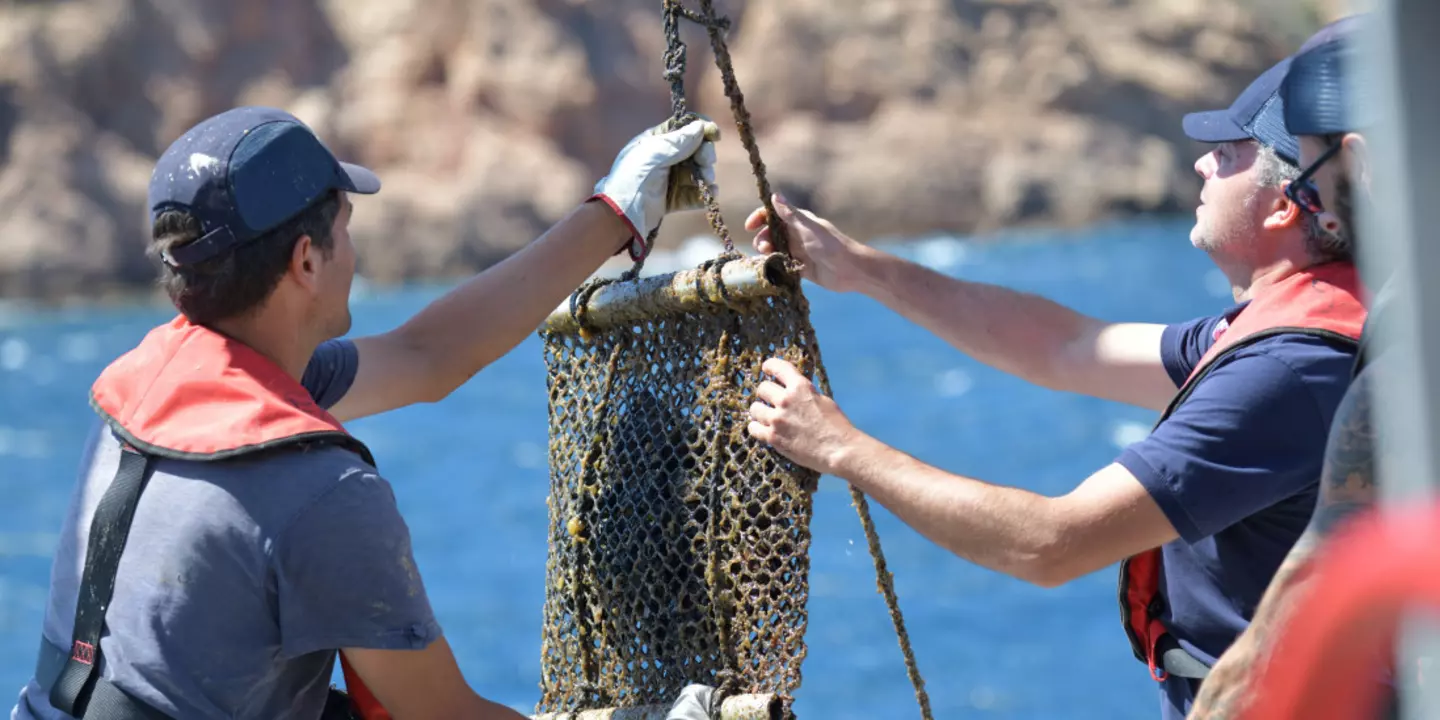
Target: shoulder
1303 347
1199 328
341 495
272 489
316 464
1183 344
1258 393
1316 367
330 474
331 371
1261 406
1295 379
1250 434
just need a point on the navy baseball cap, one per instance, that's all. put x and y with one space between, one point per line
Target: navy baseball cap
1258 114
244 172
1321 98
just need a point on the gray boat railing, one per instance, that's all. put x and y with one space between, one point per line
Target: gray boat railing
1402 76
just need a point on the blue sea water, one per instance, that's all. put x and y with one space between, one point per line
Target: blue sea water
470 475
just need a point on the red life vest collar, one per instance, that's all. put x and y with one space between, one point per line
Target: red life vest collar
1322 301
189 392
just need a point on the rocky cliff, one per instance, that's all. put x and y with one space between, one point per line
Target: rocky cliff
489 119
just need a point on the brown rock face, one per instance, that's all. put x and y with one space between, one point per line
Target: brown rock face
488 120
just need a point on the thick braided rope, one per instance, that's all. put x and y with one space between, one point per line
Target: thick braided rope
716 28
675 62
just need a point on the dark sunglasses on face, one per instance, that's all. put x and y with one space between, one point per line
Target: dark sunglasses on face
1303 192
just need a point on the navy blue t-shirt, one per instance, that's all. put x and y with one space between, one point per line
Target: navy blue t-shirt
1236 469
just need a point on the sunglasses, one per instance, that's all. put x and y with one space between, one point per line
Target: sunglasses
1303 191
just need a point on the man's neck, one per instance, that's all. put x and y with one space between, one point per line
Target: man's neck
283 343
1248 283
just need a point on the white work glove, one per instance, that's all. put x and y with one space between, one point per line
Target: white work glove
639 185
694 704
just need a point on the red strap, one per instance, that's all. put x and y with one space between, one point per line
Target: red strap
364 703
83 652
1141 575
1152 642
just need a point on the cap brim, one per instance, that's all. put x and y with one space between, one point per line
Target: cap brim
1214 126
361 179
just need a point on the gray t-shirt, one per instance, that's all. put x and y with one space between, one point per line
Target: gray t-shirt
242 578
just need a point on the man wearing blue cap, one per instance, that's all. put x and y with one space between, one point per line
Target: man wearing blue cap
1201 512
1320 110
265 540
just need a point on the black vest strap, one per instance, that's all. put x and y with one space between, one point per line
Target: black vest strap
79 687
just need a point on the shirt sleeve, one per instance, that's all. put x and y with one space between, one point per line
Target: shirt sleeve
346 575
331 372
1183 344
1243 441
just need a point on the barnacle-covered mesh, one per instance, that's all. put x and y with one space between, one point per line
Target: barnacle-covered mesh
679 545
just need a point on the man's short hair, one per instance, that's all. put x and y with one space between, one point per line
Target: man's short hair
238 281
1272 170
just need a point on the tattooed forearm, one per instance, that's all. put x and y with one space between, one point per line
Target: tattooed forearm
1347 481
1350 450
1330 515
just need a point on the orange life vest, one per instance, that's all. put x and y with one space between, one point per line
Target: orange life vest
1321 301
189 392
1375 570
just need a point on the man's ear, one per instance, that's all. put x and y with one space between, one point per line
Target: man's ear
305 263
1357 158
1284 212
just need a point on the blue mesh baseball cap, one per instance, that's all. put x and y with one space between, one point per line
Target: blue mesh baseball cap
1320 95
1258 114
244 172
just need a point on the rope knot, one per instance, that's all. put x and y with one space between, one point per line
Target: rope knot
675 63
728 687
580 305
